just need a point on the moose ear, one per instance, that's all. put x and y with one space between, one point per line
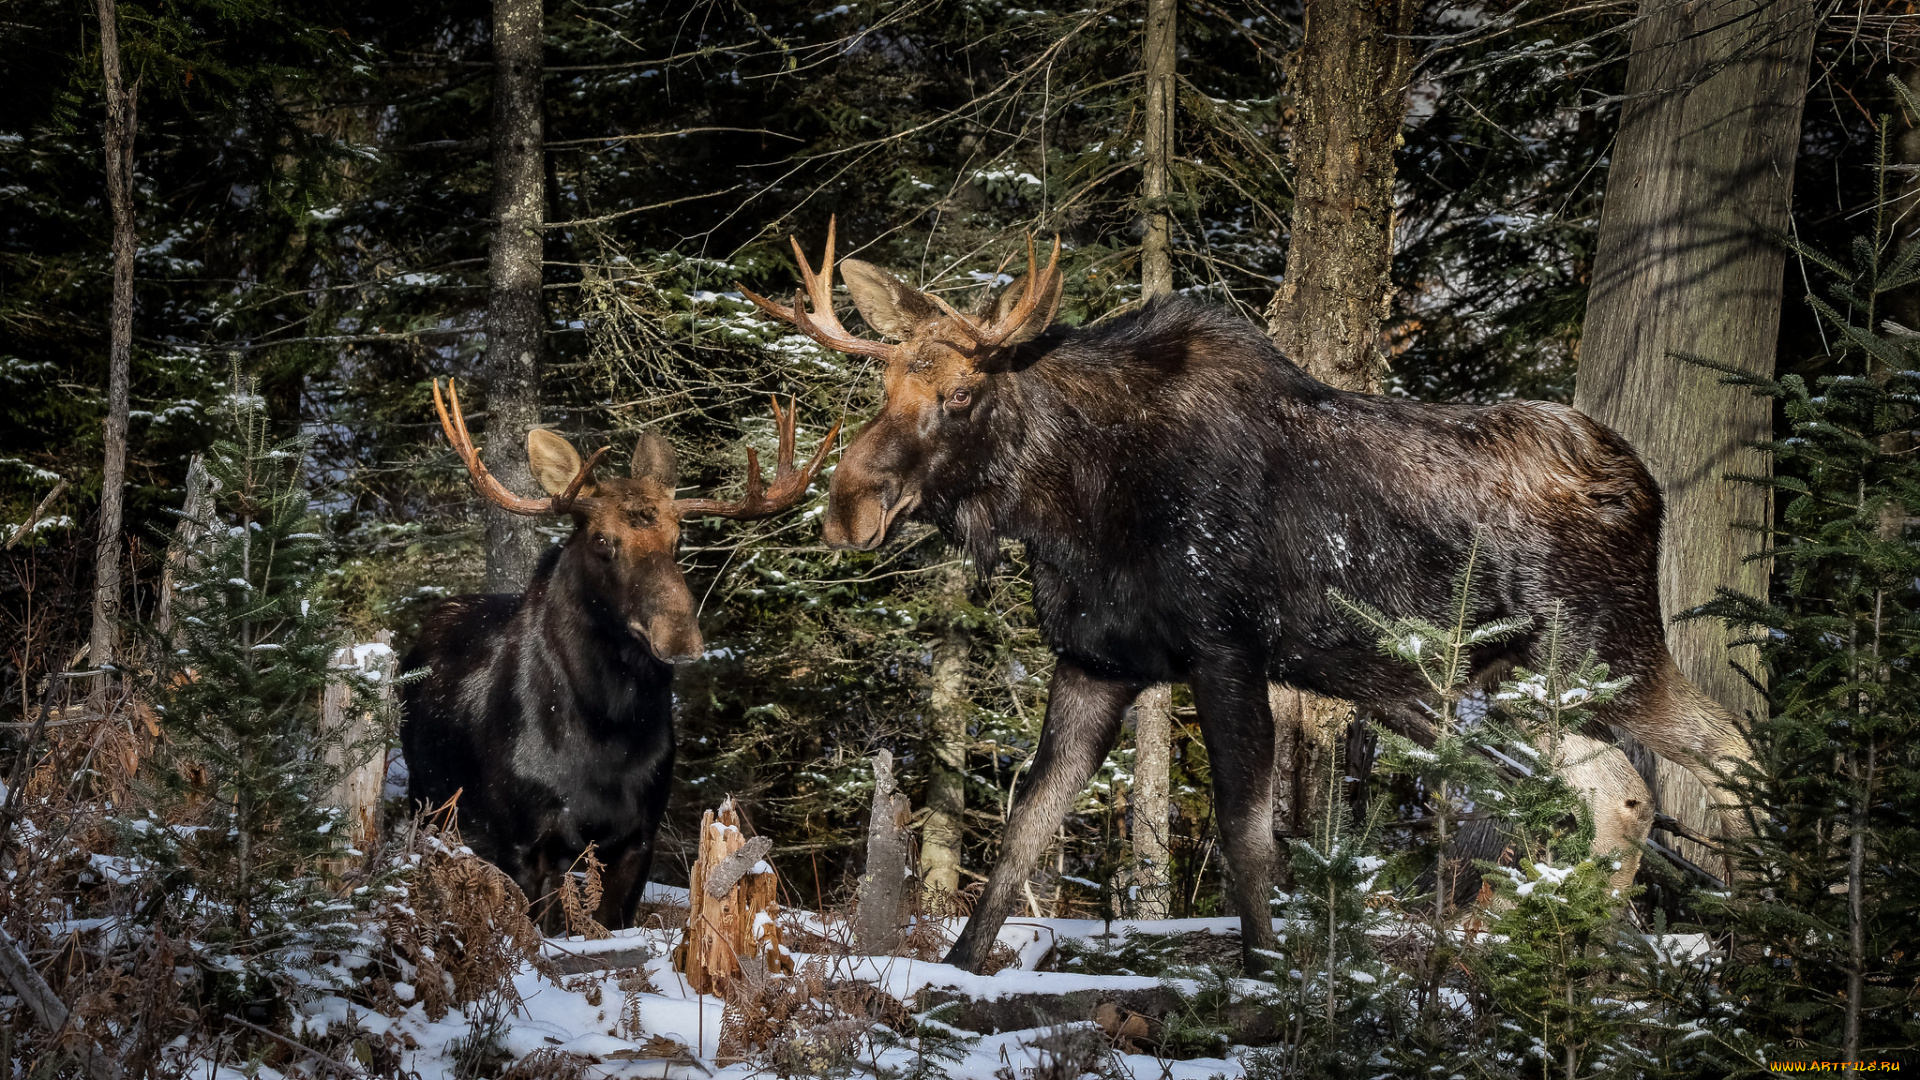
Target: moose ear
653 458
554 462
890 306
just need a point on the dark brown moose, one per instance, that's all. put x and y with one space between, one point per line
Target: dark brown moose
1187 497
551 712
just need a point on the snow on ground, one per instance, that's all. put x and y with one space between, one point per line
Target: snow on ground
563 1019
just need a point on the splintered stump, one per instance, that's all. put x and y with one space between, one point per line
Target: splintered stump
733 929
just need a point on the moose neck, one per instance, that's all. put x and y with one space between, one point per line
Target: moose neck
582 640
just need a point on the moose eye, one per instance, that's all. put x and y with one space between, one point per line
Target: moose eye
960 398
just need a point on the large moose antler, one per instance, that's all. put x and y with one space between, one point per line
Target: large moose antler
823 325
789 484
994 333
455 427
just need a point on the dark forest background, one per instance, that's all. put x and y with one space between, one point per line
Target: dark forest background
312 189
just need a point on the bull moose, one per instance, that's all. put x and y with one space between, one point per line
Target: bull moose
550 713
1187 497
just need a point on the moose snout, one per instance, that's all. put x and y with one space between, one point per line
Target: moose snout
672 639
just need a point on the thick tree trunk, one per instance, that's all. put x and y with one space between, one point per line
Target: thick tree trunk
516 310
1702 170
1349 84
104 641
1157 64
945 828
1152 808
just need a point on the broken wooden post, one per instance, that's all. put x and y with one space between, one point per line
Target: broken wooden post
357 735
882 913
733 927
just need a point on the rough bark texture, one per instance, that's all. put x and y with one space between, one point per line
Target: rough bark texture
1153 710
516 312
1157 62
945 827
1152 810
363 767
728 938
104 641
1703 167
1349 82
880 916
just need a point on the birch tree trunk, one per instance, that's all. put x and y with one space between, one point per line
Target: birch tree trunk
103 644
1349 83
1153 709
1157 63
1152 807
1702 170
945 828
516 310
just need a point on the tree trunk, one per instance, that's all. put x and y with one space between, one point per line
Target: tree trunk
103 643
516 310
1702 170
1153 710
1349 79
945 828
1157 63
1152 809
1350 82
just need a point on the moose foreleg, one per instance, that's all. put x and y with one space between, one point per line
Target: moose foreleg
1237 722
1083 717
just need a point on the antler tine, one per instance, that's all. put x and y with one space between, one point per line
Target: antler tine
455 429
789 483
1030 297
567 499
822 325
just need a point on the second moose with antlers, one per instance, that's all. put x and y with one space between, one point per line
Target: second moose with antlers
551 713
1187 497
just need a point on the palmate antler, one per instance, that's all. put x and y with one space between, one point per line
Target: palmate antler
789 484
823 325
455 427
982 335
993 334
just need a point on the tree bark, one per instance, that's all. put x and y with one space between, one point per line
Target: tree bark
516 309
1350 80
1152 807
103 644
1157 63
1702 170
945 828
1153 710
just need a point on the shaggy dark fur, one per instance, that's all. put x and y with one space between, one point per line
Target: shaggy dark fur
1187 497
555 725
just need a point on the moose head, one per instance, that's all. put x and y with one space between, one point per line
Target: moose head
627 529
940 381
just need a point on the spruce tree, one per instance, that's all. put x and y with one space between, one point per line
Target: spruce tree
1825 949
235 847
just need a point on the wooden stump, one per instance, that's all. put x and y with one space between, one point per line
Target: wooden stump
733 928
358 748
884 909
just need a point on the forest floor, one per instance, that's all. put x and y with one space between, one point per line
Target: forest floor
623 1011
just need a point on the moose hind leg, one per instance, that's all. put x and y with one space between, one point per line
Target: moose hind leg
1682 724
1237 722
1083 717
